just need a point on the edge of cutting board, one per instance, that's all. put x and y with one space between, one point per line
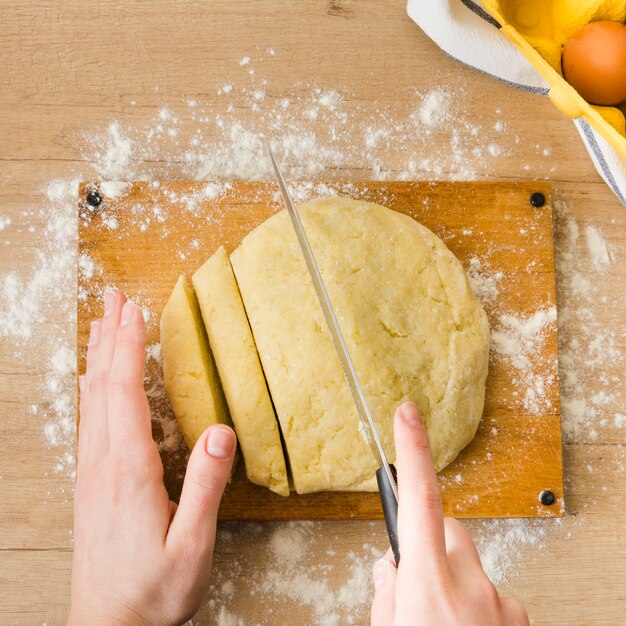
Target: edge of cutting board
448 208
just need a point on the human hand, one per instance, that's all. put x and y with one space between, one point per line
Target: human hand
440 580
138 558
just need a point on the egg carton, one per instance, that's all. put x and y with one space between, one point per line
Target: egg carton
540 30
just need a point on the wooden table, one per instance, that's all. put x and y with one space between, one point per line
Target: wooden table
71 67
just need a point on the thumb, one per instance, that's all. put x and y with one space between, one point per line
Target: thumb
384 574
207 473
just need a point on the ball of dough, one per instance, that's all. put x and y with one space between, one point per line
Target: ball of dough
413 327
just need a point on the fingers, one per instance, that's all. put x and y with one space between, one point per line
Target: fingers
420 515
82 429
95 328
103 332
384 574
463 557
99 359
514 613
83 426
208 470
128 409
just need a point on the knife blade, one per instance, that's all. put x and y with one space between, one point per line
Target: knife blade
385 475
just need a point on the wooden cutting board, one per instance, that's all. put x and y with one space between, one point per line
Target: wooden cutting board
140 238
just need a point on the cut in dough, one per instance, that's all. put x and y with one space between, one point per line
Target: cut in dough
189 374
413 327
240 371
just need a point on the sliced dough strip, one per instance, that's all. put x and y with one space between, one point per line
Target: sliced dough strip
189 373
241 374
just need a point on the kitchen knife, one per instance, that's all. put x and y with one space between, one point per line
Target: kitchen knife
386 473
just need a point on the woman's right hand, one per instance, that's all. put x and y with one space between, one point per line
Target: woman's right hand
440 580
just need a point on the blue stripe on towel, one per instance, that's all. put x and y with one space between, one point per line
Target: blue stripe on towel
597 152
539 91
475 8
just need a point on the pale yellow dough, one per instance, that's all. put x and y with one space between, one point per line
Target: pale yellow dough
240 371
189 374
413 327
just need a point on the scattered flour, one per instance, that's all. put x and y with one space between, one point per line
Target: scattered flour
63 361
518 338
115 162
60 426
226 618
598 250
24 301
587 348
110 221
114 189
228 588
309 135
484 282
288 542
298 581
330 99
434 110
153 351
165 114
86 266
212 191
501 545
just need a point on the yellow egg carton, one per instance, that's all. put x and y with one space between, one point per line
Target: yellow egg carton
540 29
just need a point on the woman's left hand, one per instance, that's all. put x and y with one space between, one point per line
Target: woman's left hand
138 558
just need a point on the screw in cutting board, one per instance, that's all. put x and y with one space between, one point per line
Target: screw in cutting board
94 198
547 497
537 199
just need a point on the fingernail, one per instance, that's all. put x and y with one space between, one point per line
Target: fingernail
81 382
220 443
127 312
94 333
378 572
410 414
109 302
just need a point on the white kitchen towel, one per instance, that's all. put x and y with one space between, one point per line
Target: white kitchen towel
464 30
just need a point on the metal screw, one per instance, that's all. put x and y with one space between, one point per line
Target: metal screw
547 497
537 199
94 198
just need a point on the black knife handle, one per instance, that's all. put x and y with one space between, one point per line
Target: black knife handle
390 507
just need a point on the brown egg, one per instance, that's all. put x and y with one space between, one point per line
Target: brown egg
594 62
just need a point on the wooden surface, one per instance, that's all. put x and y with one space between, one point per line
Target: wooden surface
515 455
67 69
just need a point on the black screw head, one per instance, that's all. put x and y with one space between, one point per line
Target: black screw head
94 198
537 199
547 497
